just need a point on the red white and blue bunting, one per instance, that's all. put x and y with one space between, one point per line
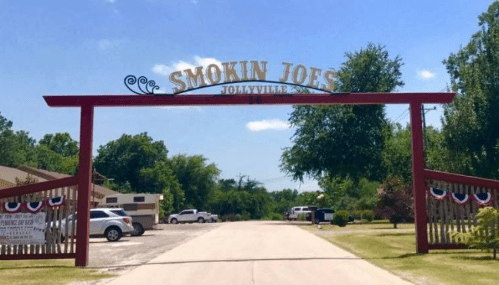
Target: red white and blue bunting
12 207
32 207
438 194
57 201
482 199
459 198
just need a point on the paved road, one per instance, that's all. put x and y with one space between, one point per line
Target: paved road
257 253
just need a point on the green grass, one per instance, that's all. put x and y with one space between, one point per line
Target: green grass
21 272
396 253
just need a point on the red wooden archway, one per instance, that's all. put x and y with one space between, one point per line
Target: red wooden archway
87 103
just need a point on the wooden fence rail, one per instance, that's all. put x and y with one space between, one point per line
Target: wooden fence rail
445 216
60 221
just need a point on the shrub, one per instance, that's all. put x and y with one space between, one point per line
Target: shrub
368 215
358 215
273 217
340 218
485 235
301 217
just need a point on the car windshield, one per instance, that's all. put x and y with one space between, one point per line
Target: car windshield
120 213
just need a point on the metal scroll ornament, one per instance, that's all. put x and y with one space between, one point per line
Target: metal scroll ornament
140 86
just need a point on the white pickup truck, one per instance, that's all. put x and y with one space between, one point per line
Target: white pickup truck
189 216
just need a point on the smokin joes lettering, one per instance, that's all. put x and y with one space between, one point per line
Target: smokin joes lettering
239 72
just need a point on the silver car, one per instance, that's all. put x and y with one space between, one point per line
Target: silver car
112 223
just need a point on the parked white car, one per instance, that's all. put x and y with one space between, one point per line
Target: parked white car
189 216
112 223
295 211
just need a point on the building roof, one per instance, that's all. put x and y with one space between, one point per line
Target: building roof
8 177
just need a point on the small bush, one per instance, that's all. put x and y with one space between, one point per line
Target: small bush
301 217
368 215
358 215
273 217
340 218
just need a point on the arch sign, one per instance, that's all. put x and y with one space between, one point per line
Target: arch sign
239 72
238 75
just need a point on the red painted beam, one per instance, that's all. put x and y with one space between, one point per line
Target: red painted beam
247 99
37 187
84 185
460 179
418 182
37 256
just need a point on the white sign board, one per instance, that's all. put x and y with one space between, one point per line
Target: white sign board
22 228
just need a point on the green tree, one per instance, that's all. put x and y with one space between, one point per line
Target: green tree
6 142
485 235
160 179
197 179
124 158
470 123
345 141
61 143
395 201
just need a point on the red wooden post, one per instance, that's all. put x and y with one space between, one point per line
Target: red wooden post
418 184
84 185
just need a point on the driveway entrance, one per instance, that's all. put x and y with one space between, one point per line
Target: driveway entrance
258 253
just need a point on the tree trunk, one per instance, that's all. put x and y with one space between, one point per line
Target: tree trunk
495 251
394 225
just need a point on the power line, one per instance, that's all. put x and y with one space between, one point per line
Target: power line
402 116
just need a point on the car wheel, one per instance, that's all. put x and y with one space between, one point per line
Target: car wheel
316 221
200 220
138 230
113 234
173 221
213 220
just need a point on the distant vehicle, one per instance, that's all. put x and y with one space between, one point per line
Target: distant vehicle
295 211
190 216
143 208
323 216
112 223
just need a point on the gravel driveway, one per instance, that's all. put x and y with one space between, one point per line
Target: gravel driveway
130 252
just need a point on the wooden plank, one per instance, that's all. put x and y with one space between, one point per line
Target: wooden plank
468 206
442 218
74 221
429 208
66 223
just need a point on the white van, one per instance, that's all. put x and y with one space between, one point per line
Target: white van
295 211
143 208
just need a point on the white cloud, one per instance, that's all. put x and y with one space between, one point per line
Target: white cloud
106 44
426 74
263 125
165 70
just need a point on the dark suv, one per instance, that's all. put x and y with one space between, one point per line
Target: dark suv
323 216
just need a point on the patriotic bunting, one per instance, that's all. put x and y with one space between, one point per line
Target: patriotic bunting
12 207
459 198
57 201
482 199
34 207
438 194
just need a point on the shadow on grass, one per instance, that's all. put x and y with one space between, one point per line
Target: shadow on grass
395 234
476 258
37 267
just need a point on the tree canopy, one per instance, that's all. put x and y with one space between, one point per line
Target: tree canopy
345 141
470 123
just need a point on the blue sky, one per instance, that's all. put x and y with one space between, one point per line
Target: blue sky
89 46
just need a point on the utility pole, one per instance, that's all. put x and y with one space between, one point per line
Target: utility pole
425 139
